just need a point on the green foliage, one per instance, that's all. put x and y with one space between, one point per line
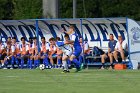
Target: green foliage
6 9
20 9
28 9
101 8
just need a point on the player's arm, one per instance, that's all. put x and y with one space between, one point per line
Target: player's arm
116 47
27 48
71 41
13 48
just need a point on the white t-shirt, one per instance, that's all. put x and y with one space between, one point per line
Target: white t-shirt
124 45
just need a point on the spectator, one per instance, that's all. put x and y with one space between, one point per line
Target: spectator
109 54
121 49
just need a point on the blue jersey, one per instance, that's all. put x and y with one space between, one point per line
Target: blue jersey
111 45
75 38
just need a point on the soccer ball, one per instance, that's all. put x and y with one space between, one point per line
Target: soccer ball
42 66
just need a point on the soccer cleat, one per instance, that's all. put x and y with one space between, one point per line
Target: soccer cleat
110 68
4 68
81 66
11 68
65 71
78 69
102 68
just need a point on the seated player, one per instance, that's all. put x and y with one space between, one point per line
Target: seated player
121 49
52 51
8 54
67 51
35 53
85 49
44 52
15 52
59 54
109 54
23 51
2 53
30 53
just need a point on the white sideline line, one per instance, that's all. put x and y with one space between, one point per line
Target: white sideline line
11 76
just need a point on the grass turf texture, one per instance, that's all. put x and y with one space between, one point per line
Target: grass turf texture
53 81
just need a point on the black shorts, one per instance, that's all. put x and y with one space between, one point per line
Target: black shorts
125 53
3 56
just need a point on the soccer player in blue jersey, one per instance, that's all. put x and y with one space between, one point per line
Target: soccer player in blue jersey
74 39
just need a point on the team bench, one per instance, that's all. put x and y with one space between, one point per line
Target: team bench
93 60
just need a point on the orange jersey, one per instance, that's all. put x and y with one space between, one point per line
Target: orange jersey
15 48
23 49
1 47
30 48
44 47
52 49
58 51
34 48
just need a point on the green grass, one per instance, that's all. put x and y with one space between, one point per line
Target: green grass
86 81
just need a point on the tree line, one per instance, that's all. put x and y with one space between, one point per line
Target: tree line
29 9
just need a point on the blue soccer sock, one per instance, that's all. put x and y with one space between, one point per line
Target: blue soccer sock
16 61
37 63
45 61
81 59
28 63
59 62
12 60
22 62
31 61
68 62
77 63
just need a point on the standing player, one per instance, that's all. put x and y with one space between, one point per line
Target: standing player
74 39
67 51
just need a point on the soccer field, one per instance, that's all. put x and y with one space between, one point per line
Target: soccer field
53 81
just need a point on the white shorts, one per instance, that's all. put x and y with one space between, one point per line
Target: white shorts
67 53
